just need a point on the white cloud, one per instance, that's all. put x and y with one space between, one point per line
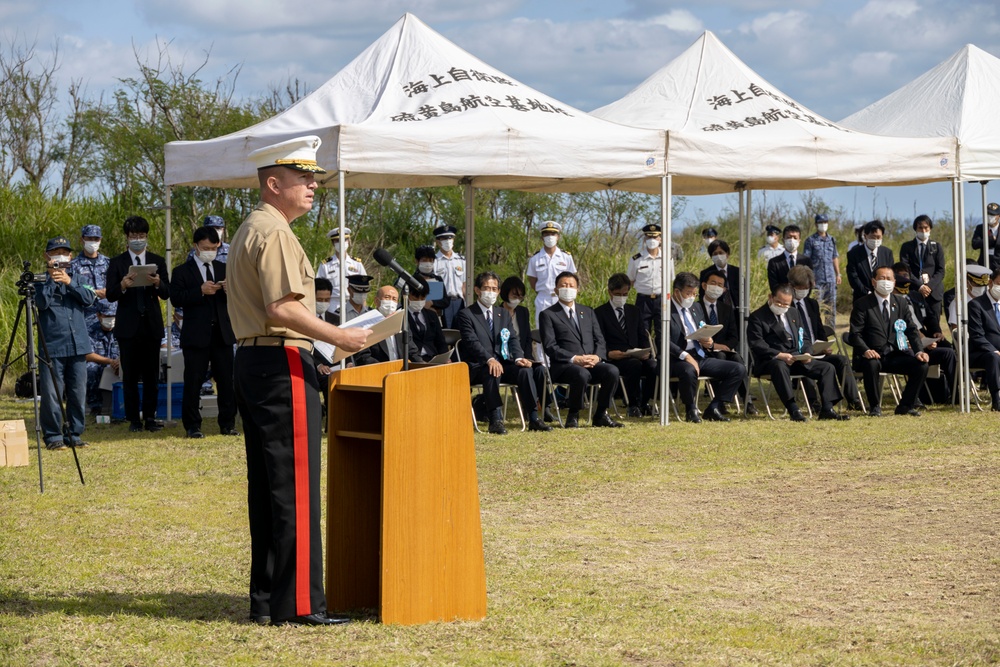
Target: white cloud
881 10
680 20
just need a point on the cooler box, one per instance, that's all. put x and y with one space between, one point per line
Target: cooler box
177 395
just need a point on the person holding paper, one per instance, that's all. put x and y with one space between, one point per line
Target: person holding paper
719 310
628 345
139 322
425 325
691 358
274 320
885 340
424 257
774 341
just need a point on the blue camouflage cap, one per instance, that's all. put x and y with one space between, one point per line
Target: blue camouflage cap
213 221
107 308
91 230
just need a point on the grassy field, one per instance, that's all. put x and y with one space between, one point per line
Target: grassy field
756 542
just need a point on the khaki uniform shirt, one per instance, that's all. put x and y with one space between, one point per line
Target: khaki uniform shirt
266 263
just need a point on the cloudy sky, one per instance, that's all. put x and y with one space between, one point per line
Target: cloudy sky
832 56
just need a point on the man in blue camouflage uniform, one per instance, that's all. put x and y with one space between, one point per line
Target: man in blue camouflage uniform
219 225
90 267
821 249
104 354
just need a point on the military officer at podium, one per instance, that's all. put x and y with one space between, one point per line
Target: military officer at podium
275 323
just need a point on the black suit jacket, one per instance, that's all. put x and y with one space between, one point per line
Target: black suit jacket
933 266
432 335
777 268
476 346
678 339
379 352
859 270
614 337
984 332
767 337
869 331
977 244
523 320
200 310
561 340
128 319
732 294
730 334
815 318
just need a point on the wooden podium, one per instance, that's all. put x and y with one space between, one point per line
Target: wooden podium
403 526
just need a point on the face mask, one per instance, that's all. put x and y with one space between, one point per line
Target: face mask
822 227
514 303
995 292
652 244
977 290
487 298
91 247
387 307
425 267
884 287
707 242
416 306
358 298
720 260
336 248
791 245
994 221
137 245
447 244
550 241
619 301
567 294
108 322
778 310
714 292
687 302
772 239
322 307
801 294
873 244
207 256
60 259
923 236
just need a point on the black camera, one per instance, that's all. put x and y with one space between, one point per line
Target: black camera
28 277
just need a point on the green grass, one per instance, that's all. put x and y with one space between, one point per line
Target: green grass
756 542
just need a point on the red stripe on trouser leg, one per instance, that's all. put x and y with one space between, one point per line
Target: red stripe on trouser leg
300 438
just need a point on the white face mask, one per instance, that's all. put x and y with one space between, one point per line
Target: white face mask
923 236
791 245
513 303
425 267
416 306
686 302
207 256
720 261
336 248
652 244
322 307
550 240
387 307
618 301
567 294
778 310
108 323
873 244
994 220
801 294
91 247
447 244
358 298
707 241
772 239
977 290
714 292
884 287
487 298
995 291
822 227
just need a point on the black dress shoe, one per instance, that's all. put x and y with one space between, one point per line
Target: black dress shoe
229 431
497 428
833 415
634 412
538 425
257 619
996 406
135 427
548 416
751 410
714 414
874 411
153 426
194 433
605 420
572 421
904 410
796 415
694 416
313 619
854 405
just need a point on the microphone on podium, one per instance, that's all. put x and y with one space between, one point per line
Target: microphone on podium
383 257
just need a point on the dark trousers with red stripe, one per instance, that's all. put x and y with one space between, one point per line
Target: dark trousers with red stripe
278 399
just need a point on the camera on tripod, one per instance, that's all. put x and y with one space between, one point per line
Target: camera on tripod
28 277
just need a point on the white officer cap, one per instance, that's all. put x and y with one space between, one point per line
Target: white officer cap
299 154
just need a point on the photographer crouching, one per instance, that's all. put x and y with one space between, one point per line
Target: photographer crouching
63 345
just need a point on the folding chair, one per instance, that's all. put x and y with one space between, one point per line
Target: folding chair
884 379
797 385
506 390
451 338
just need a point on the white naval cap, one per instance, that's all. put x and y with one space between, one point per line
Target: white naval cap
299 153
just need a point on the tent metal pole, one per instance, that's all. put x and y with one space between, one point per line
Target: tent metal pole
961 293
744 286
342 215
745 296
963 319
170 314
470 237
666 271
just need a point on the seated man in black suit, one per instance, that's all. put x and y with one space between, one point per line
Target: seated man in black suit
864 258
719 310
777 267
939 350
620 323
802 280
494 355
576 349
773 337
199 287
690 358
425 325
719 251
884 339
984 336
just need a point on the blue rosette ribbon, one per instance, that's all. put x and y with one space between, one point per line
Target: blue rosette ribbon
504 337
900 327
801 339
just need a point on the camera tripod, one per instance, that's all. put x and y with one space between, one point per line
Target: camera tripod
26 289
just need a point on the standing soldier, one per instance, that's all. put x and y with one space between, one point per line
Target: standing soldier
645 270
821 249
91 267
545 265
451 266
330 268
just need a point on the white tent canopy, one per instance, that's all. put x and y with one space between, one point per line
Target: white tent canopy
957 98
415 110
727 125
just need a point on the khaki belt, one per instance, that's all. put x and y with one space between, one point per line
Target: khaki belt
276 341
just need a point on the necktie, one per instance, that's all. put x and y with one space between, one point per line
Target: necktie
208 273
920 256
806 334
713 317
572 317
996 311
140 304
791 261
874 261
689 323
418 326
621 319
489 322
390 347
885 316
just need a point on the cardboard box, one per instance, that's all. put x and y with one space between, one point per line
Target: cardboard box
13 443
17 453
